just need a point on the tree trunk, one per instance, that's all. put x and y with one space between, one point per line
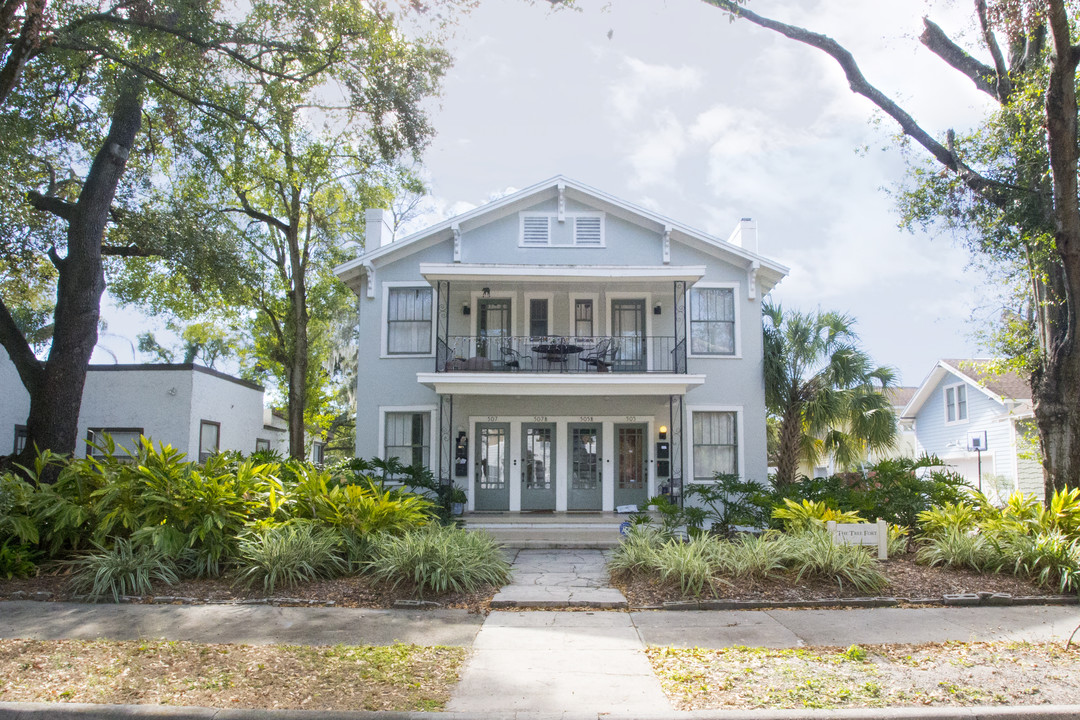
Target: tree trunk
787 457
55 402
1057 395
298 353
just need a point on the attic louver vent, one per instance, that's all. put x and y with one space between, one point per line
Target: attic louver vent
587 231
535 230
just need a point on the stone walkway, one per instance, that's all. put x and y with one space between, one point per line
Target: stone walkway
559 578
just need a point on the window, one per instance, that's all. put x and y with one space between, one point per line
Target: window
408 321
22 434
715 445
262 445
318 452
583 318
538 317
209 437
408 437
712 321
124 439
956 403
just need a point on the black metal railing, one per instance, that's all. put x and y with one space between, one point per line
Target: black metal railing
561 354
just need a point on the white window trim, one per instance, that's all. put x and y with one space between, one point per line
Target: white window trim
735 289
432 425
474 318
572 320
945 404
688 442
647 297
384 352
570 217
527 326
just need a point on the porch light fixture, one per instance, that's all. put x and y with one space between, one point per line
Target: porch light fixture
465 310
656 309
663 432
487 292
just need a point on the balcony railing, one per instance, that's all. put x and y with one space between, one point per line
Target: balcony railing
562 354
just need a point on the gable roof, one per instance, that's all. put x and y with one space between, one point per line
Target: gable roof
900 396
1005 388
769 272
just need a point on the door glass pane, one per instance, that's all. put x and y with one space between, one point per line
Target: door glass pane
583 318
628 325
538 318
631 459
493 326
538 460
584 463
491 461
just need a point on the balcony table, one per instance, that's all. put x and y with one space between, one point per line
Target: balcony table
557 352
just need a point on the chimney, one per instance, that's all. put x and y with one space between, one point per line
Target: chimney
745 235
377 232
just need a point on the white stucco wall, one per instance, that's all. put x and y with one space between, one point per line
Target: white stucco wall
14 403
236 405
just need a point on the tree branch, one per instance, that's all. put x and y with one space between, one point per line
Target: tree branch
259 214
992 191
19 350
1004 84
51 204
937 42
125 251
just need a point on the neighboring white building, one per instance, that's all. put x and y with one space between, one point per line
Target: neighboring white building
969 416
192 408
561 349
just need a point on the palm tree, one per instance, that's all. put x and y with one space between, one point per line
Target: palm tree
824 393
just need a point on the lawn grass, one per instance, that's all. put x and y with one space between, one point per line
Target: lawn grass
395 677
953 673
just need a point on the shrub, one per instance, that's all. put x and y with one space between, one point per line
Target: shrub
750 557
17 560
809 514
956 547
123 569
729 501
637 551
288 555
958 517
686 564
438 558
813 553
1050 558
15 510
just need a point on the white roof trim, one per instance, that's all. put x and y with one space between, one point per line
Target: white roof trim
551 384
433 272
556 184
934 378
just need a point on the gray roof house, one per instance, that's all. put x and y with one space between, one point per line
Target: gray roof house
560 349
980 423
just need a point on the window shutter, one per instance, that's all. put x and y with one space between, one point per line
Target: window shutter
587 231
535 230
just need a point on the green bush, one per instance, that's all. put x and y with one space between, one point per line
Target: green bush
955 547
814 554
123 569
810 514
288 555
438 558
686 564
637 551
748 557
17 560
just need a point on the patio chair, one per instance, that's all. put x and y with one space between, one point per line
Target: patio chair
514 360
598 357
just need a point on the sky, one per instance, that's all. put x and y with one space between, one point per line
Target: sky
670 105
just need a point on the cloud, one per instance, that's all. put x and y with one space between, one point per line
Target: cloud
656 152
645 81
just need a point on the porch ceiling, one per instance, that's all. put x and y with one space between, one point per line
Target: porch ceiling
550 384
434 272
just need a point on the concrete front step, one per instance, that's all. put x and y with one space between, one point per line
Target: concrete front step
557 538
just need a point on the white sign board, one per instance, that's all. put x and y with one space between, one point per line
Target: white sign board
862 534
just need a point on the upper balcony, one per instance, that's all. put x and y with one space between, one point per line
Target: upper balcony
556 354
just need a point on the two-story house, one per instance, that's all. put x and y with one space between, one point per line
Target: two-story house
561 349
980 423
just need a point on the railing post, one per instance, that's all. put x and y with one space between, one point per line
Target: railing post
679 359
442 325
676 405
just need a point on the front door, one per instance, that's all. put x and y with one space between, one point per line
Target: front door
493 327
492 470
628 328
537 466
631 475
586 468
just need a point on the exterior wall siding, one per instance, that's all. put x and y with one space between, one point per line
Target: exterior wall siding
14 403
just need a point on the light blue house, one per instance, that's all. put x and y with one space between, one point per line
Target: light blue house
560 349
980 423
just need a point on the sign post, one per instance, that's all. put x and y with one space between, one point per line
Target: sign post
977 442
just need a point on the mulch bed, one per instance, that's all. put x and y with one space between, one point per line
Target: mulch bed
355 591
907 580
